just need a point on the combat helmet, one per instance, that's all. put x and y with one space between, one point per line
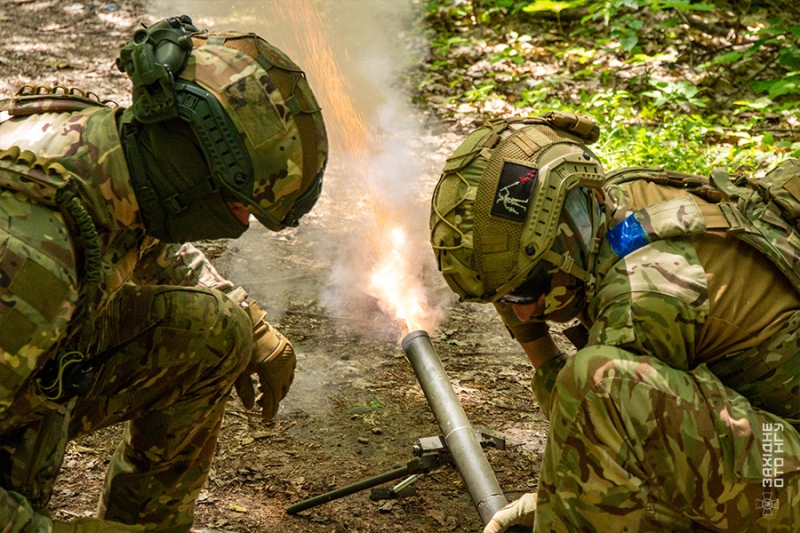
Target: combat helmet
251 109
496 210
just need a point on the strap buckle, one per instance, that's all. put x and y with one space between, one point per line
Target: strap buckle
172 206
567 263
734 217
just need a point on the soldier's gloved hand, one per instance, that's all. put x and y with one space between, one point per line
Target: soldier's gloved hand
94 525
273 360
518 513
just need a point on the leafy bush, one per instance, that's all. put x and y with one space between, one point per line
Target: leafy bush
679 83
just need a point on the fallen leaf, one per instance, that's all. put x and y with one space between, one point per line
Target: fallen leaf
238 508
57 64
82 449
437 515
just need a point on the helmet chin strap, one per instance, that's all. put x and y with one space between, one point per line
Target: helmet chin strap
598 222
566 263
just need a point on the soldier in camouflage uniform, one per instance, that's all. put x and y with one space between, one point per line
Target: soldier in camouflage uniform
105 314
681 410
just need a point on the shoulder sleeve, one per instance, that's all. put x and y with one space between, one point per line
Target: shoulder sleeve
177 264
38 296
654 302
544 381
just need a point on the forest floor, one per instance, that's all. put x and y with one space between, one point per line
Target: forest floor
355 409
688 86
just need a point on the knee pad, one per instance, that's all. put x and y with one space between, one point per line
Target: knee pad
202 320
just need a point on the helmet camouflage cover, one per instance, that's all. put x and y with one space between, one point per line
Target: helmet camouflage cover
275 113
495 211
250 106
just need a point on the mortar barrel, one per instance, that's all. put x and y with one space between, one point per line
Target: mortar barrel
461 439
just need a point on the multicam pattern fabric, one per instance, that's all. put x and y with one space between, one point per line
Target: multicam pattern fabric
38 284
265 122
654 300
204 344
636 445
653 427
87 144
162 463
775 201
273 95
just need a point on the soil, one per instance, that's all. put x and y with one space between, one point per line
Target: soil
355 409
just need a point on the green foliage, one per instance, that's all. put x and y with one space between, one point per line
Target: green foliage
479 92
442 44
676 92
678 83
549 5
789 84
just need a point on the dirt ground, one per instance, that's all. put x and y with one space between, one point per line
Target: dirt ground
355 409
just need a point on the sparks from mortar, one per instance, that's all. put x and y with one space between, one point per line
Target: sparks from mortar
392 280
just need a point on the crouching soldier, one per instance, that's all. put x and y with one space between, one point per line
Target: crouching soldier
681 413
105 314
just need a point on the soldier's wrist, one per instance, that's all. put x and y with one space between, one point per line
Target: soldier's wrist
540 351
529 331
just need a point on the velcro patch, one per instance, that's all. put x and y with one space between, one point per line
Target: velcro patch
627 236
514 191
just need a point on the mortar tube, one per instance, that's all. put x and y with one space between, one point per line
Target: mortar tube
461 439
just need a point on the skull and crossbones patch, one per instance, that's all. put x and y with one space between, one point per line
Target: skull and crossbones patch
514 191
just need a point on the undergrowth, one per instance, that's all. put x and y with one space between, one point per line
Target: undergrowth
680 84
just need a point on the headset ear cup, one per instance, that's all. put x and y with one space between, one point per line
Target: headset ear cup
153 58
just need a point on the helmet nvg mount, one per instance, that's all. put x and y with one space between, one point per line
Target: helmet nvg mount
251 109
495 211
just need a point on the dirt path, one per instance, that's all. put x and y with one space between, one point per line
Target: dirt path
355 409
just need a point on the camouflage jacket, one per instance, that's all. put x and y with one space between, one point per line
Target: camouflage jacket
87 144
679 299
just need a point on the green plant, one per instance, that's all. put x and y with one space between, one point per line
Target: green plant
554 6
788 84
442 44
719 90
675 92
479 92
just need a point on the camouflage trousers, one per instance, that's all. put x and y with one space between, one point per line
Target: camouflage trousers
636 446
170 386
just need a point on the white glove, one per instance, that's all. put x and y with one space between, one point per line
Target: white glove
518 513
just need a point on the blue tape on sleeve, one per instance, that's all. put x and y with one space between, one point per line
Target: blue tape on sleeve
627 236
